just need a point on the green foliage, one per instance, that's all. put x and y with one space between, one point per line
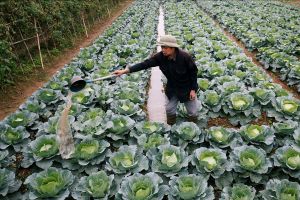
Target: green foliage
190 187
142 187
8 183
7 62
238 192
59 24
281 189
51 183
97 185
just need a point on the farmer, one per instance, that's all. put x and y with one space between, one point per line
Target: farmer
181 73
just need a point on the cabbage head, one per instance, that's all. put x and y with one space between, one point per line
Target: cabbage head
97 185
240 102
186 132
204 83
190 187
44 147
263 96
48 96
221 137
16 137
152 141
127 159
21 118
288 158
125 107
257 134
215 71
228 88
249 161
149 127
130 94
50 183
90 151
287 106
41 151
285 128
210 161
83 97
212 100
118 126
34 106
142 187
238 191
168 159
281 189
8 182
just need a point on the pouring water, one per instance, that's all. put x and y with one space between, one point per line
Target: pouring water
64 133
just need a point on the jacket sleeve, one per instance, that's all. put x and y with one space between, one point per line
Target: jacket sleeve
193 73
151 62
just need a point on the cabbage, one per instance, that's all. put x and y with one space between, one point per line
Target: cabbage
250 161
238 191
97 185
288 158
210 161
190 187
142 187
127 159
281 189
51 183
168 159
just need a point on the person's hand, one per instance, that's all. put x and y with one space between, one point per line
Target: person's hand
121 71
193 95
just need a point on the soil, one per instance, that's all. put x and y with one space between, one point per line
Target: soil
220 121
12 97
294 2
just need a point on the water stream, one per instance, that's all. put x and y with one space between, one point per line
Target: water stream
64 133
156 101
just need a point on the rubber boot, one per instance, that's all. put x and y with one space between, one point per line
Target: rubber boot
193 119
171 119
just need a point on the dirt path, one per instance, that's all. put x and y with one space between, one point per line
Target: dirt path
293 2
13 97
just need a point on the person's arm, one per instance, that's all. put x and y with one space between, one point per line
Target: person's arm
151 62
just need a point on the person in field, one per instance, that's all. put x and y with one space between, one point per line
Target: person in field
181 72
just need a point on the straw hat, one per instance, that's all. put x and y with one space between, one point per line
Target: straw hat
167 41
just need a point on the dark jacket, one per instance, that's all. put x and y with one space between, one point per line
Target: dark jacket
181 73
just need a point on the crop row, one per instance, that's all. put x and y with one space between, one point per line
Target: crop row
272 28
28 136
231 85
234 87
119 154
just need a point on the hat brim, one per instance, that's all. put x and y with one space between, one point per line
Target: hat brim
167 44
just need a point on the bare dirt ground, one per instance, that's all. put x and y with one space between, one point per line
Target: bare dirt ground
12 97
294 2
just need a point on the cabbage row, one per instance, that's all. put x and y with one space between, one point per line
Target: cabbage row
120 155
232 86
101 115
270 27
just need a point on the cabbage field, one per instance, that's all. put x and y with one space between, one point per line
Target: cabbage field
120 154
